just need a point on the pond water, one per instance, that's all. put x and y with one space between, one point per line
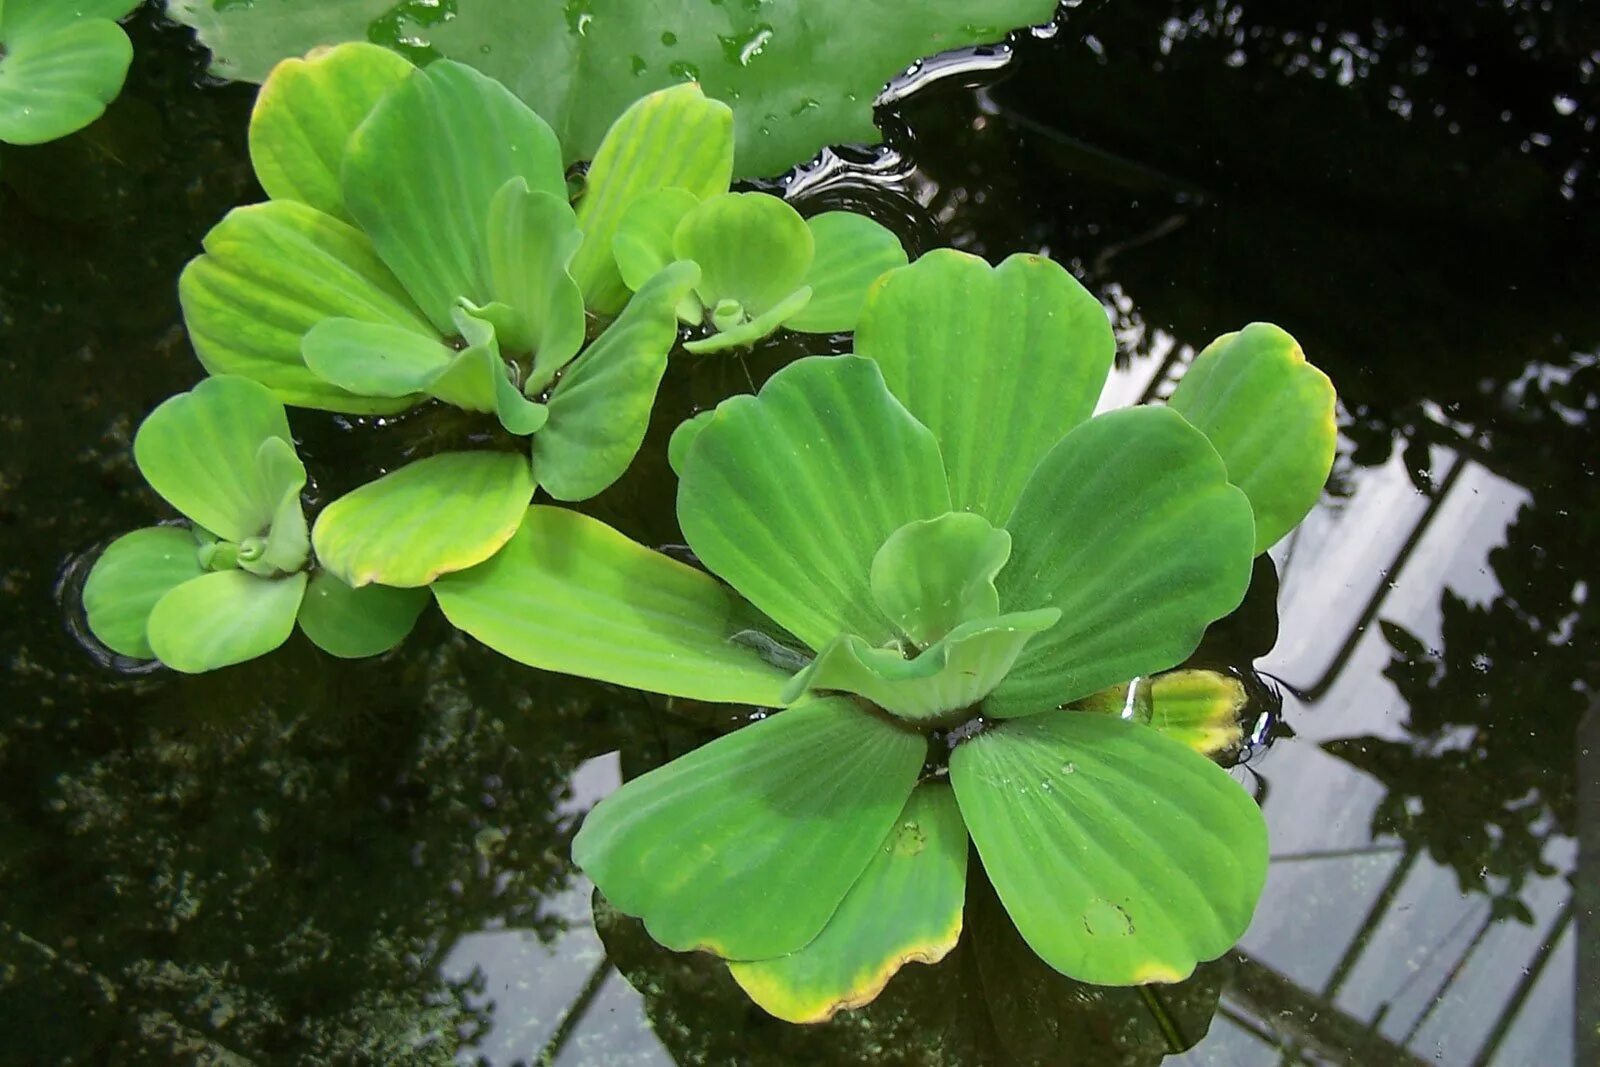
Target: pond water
309 861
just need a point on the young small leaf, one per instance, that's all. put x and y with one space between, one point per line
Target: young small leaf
753 248
532 238
742 335
852 252
931 576
642 244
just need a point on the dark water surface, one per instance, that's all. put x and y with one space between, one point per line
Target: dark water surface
303 861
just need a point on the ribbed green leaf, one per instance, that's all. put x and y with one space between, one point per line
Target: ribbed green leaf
600 409
931 576
1123 857
60 65
199 451
354 623
131 575
965 347
1270 415
375 359
851 253
753 249
288 541
952 675
437 515
905 908
532 238
746 846
642 244
789 494
1130 527
744 334
304 116
1198 708
684 436
421 171
223 618
672 138
270 273
570 594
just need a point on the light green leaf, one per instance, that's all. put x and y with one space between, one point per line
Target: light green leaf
288 538
570 594
421 172
851 253
437 515
1198 708
950 676
684 436
1270 415
532 237
905 908
223 618
480 380
789 494
375 359
753 249
1123 857
131 575
964 346
801 75
745 847
642 244
600 409
931 576
273 271
748 333
1130 527
60 66
672 138
304 116
198 450
355 623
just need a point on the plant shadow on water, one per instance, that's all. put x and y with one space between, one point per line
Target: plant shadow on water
305 861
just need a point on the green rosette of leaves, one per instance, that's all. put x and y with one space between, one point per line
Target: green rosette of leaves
61 63
419 246
945 570
230 585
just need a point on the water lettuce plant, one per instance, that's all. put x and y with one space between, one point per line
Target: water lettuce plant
231 584
61 63
931 553
802 74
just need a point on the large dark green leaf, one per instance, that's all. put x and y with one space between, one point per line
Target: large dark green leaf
224 618
966 346
201 451
270 273
789 494
570 594
1270 415
905 908
131 575
801 74
1123 857
600 409
746 846
421 173
1131 528
305 114
60 65
441 514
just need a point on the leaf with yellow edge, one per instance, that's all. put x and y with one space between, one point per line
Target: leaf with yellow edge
1198 708
905 908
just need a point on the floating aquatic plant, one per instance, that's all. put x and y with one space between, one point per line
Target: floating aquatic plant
230 585
61 63
932 552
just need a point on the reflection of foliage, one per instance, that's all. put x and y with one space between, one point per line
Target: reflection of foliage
279 878
1475 783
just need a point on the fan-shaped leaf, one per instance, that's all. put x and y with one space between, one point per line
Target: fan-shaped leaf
1123 857
931 576
746 846
964 347
60 65
1130 527
1270 415
570 594
354 623
273 271
223 618
437 515
753 249
131 575
851 252
789 494
642 244
906 907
